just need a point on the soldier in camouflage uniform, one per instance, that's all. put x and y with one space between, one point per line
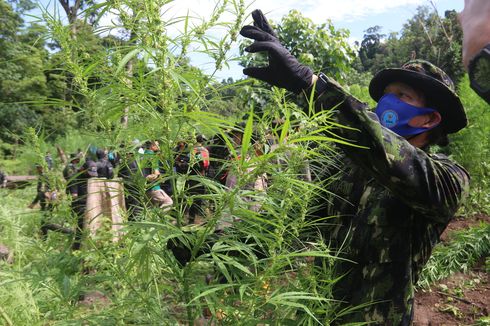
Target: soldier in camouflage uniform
395 198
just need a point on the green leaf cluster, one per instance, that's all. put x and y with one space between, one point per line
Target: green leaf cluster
426 36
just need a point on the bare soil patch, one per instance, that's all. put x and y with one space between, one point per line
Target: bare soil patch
461 299
461 223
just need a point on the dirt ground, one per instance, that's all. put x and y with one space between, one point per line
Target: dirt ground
462 299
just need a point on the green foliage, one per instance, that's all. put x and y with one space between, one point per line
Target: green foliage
267 267
321 47
81 93
15 119
362 93
464 250
261 268
426 36
484 321
436 39
355 76
370 46
471 148
21 6
24 86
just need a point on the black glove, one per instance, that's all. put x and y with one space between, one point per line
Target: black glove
284 70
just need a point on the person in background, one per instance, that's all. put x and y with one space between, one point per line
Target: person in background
79 197
218 157
105 199
181 159
46 197
80 154
394 198
114 156
474 20
134 183
152 173
3 179
69 173
49 160
198 166
43 197
104 167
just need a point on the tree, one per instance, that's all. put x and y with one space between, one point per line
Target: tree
370 46
72 11
322 47
436 39
21 6
424 36
26 83
21 68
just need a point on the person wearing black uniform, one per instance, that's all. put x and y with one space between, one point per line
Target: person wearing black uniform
69 173
87 171
181 160
199 166
134 185
43 197
3 179
104 167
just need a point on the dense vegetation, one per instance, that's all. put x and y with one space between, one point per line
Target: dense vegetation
77 83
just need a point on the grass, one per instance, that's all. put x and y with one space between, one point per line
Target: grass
261 268
261 259
466 248
470 147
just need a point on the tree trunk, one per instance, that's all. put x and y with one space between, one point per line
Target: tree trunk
71 14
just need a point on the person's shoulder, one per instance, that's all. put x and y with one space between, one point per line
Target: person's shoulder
439 157
443 158
449 163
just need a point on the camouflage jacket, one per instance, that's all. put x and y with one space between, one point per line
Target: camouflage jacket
394 202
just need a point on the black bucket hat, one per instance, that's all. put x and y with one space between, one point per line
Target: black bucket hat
433 82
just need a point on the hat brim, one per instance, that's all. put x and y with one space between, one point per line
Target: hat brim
439 95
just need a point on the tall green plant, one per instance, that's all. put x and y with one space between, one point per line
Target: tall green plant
471 148
258 246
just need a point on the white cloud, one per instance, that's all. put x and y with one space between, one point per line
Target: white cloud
321 10
317 10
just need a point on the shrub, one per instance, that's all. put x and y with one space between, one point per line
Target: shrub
471 148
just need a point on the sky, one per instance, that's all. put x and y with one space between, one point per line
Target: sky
354 15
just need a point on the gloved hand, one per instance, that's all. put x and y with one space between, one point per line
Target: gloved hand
284 70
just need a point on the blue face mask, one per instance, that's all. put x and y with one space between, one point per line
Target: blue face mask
395 114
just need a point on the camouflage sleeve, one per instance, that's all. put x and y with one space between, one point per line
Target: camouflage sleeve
431 184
